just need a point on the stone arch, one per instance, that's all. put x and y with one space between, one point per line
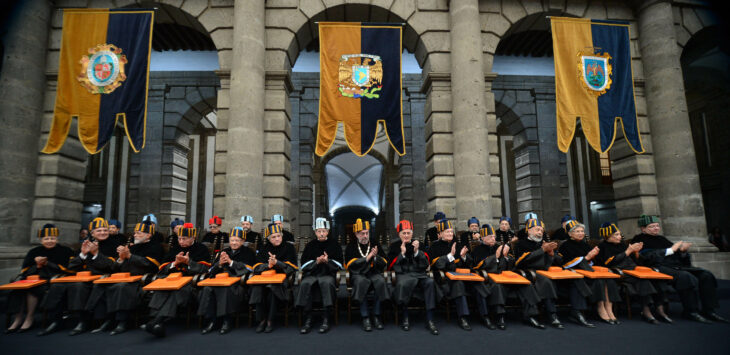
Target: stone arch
689 20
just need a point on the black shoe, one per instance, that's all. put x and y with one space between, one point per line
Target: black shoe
406 325
716 317
580 319
609 321
698 318
261 327
665 319
50 329
462 323
488 323
120 328
650 320
10 331
226 327
147 327
615 321
307 326
209 328
325 327
23 330
555 322
269 327
378 324
158 330
80 328
103 328
531 321
431 326
366 325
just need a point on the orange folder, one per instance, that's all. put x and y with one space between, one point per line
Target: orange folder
220 280
172 282
509 278
81 276
463 275
30 282
599 272
557 273
266 277
118 278
644 272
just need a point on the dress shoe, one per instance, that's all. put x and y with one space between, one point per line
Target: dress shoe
209 328
378 323
406 325
120 328
463 323
716 317
23 330
665 319
261 327
555 322
366 325
501 325
226 327
80 328
10 331
50 329
269 327
580 319
615 321
534 323
650 320
103 328
307 326
488 323
609 321
158 330
147 326
431 326
325 327
698 318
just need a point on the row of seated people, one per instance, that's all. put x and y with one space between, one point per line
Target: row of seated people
410 265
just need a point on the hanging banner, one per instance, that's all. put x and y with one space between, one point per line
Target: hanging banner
102 76
593 82
360 85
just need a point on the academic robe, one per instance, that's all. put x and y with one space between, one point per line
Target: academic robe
221 301
411 275
164 304
286 258
319 279
573 253
613 255
366 275
58 258
432 235
439 261
216 241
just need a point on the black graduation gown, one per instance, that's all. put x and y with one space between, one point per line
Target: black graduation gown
466 238
286 258
171 242
57 264
365 275
522 234
285 235
503 237
530 257
320 275
77 294
216 241
411 273
687 278
126 296
432 235
253 238
613 255
164 304
439 261
574 252
222 301
560 234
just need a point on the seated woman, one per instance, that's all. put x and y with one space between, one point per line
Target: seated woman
614 253
281 257
321 260
47 260
216 303
577 254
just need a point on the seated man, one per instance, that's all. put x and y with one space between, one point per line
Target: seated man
252 237
410 265
696 286
217 303
189 258
46 260
122 298
366 263
321 260
432 233
215 239
471 234
505 232
448 254
495 258
533 253
79 297
279 221
280 257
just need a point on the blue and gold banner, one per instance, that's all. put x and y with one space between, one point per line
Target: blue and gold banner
360 84
102 76
593 82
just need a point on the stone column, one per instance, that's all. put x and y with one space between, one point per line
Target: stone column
22 88
678 185
470 128
277 147
245 137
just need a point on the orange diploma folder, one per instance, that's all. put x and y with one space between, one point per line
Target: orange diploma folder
220 280
119 277
172 282
267 277
463 275
557 273
599 272
30 282
509 278
81 276
644 272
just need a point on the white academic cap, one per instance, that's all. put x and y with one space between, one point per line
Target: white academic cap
247 219
321 223
277 217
